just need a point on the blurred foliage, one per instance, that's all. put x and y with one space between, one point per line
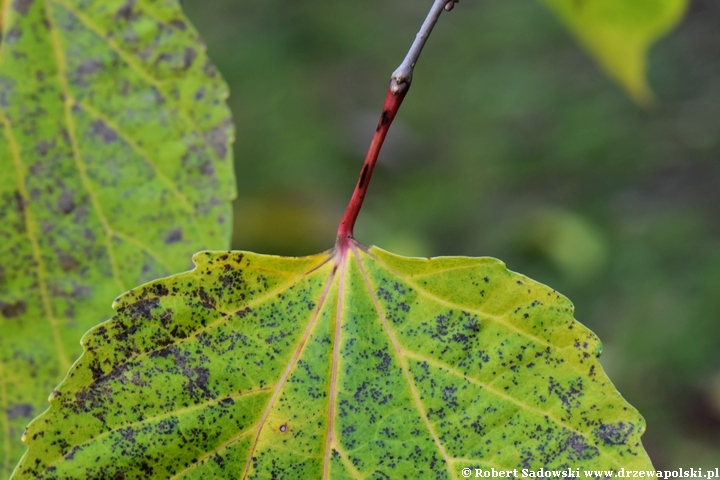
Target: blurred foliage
508 123
619 32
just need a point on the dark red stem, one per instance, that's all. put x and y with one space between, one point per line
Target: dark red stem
399 84
393 100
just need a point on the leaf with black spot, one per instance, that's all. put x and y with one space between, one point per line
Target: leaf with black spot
347 364
113 171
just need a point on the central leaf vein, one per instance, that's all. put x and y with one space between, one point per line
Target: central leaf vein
334 368
403 363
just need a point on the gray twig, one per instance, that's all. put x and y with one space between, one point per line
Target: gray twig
402 76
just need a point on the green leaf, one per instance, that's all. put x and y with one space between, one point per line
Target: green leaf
363 365
618 33
116 167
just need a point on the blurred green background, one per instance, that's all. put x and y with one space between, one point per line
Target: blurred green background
511 144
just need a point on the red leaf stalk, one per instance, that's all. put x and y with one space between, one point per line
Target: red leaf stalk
399 84
390 109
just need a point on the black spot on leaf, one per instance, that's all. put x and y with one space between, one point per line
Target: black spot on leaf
179 24
107 134
614 433
12 310
175 235
87 68
20 410
188 57
126 11
22 6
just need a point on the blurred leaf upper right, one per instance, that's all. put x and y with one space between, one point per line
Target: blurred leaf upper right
618 33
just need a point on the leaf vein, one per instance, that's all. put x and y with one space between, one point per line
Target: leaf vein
403 363
172 186
496 318
446 270
348 464
4 22
334 368
35 245
72 134
257 301
504 396
138 243
160 416
132 63
286 373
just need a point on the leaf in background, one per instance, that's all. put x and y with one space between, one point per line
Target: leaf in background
618 33
334 366
115 167
574 245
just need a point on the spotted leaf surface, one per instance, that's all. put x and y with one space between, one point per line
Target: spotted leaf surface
353 364
115 166
619 33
